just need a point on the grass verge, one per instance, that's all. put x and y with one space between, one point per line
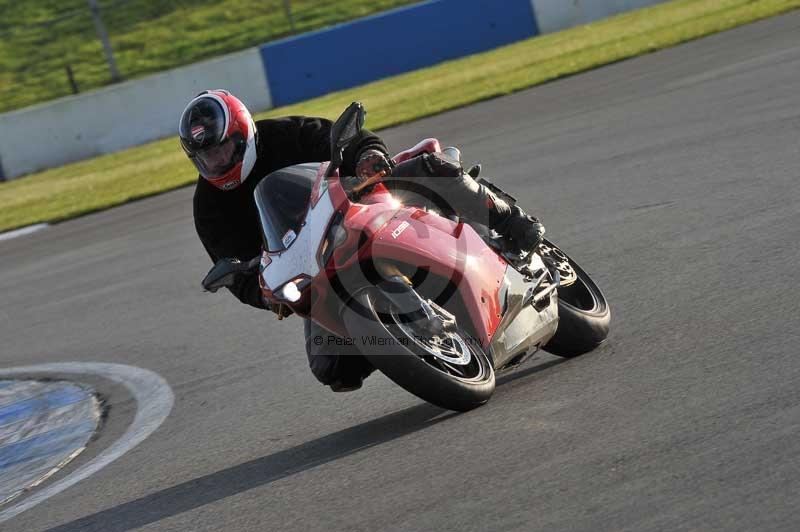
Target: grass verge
113 179
146 36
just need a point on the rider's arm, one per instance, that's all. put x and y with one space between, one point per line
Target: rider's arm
247 290
214 232
301 139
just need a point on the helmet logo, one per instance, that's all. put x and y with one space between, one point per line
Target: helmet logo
198 133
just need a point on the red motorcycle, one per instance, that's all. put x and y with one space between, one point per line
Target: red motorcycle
435 304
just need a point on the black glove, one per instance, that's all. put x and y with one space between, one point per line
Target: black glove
372 162
222 274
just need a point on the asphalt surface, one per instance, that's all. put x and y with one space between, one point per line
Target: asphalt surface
673 178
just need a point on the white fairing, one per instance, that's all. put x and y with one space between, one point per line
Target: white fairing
301 257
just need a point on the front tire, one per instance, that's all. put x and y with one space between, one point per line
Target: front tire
584 317
408 360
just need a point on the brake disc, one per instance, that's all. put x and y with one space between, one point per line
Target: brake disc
558 260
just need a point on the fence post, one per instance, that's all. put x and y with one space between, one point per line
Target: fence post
71 78
287 4
103 35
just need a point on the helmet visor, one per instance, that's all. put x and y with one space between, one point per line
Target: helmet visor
202 124
215 160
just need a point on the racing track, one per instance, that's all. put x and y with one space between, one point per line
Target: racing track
672 177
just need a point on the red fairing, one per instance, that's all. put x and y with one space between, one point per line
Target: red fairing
387 230
430 145
447 249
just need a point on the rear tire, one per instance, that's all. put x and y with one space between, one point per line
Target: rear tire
584 317
408 364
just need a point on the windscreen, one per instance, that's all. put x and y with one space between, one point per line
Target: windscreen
282 200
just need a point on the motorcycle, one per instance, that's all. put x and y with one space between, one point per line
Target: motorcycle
437 305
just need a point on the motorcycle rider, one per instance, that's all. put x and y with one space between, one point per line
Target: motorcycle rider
232 154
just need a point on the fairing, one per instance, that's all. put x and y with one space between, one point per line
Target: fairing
379 229
283 200
450 250
299 257
523 327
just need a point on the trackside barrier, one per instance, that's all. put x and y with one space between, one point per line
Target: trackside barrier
391 43
282 72
123 115
556 15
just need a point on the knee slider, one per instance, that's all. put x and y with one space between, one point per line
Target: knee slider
441 165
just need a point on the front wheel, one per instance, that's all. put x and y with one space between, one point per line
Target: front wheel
449 370
584 316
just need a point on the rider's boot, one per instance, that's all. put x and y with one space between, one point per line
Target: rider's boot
350 383
522 231
352 370
477 202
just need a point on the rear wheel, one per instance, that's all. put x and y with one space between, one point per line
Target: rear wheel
449 369
584 316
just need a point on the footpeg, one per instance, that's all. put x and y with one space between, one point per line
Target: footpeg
534 295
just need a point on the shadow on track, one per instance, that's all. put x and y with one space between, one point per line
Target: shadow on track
240 478
515 374
237 479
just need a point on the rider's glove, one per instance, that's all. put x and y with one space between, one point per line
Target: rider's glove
372 163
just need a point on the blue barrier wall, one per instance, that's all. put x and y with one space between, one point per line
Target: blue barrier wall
351 54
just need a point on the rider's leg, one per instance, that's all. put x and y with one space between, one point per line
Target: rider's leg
445 180
332 361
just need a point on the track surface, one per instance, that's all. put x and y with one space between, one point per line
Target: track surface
672 177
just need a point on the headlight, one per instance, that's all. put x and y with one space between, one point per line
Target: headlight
293 290
290 292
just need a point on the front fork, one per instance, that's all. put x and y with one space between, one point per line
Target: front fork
400 291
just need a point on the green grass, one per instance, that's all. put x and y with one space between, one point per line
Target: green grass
113 179
146 35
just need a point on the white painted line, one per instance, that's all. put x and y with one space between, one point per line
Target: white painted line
22 231
154 399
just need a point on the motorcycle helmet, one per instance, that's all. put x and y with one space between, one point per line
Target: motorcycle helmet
218 134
